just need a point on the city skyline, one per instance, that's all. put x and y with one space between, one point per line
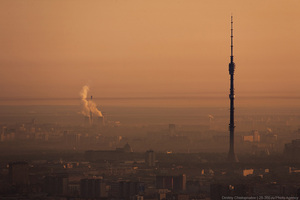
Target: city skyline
135 100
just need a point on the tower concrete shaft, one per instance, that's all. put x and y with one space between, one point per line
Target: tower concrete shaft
231 155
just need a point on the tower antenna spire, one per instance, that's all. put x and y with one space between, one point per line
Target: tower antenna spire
231 36
231 57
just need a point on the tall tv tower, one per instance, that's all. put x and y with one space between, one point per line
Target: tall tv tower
231 155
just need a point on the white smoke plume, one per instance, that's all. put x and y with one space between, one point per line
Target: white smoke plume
88 106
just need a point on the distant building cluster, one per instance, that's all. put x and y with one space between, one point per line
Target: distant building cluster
91 162
124 174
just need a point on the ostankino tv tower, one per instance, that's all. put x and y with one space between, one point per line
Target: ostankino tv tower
231 155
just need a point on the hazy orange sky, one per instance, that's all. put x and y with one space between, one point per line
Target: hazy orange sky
125 48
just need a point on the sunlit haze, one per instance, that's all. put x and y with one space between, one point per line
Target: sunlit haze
149 49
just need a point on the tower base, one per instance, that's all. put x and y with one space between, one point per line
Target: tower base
232 158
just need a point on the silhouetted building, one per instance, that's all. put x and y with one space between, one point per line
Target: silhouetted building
193 187
92 188
19 173
292 150
150 158
74 189
179 182
72 139
120 154
56 184
126 189
174 183
127 148
164 182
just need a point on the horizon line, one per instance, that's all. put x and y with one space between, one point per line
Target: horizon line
150 97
